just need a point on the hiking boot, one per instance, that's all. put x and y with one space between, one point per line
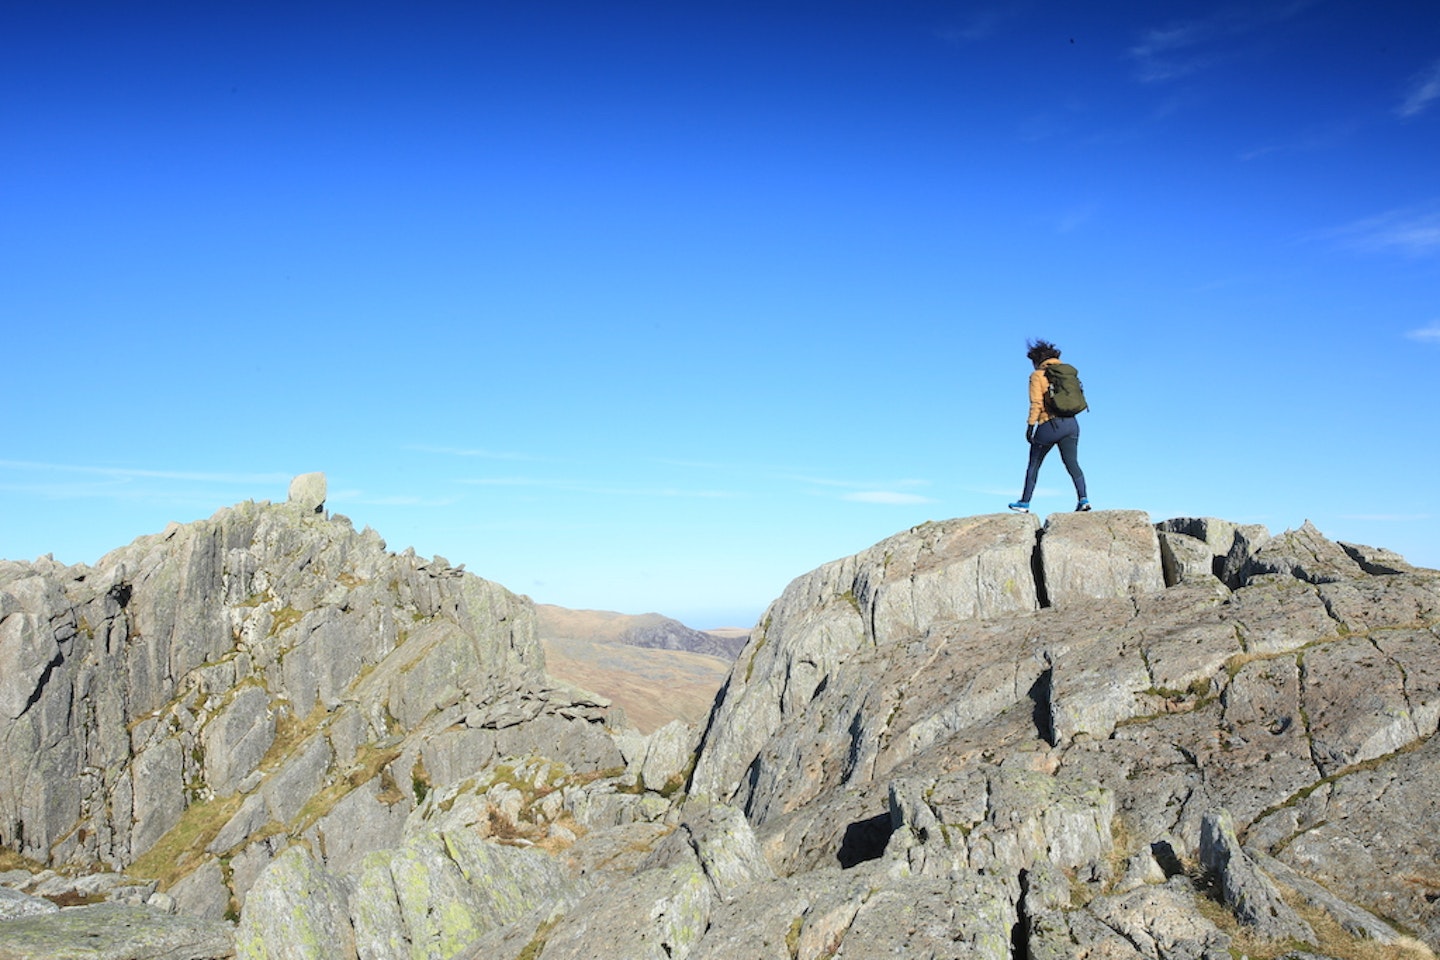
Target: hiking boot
1020 506
1083 506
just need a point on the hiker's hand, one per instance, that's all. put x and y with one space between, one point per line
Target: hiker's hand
1030 433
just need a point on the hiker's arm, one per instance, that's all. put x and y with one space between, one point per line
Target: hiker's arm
1038 383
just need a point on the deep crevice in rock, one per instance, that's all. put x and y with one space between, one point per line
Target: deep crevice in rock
1037 568
1020 931
1041 713
40 684
865 840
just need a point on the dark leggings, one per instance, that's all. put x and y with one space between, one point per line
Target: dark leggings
1063 432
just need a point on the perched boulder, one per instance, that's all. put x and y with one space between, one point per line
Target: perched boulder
667 757
307 491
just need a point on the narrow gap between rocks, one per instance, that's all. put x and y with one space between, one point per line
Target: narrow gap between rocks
1041 714
1037 568
1020 930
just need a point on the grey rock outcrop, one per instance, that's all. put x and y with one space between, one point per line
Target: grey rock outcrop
1096 728
197 701
971 569
979 738
1224 547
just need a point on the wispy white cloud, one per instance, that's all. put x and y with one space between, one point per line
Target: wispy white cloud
599 490
1424 90
870 491
69 481
854 484
469 452
134 473
1430 334
983 22
1179 49
1320 137
886 497
1166 53
131 485
1413 232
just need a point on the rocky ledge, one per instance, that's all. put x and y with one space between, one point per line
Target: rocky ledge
983 737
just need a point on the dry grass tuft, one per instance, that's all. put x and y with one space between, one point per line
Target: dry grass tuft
1332 940
10 860
176 853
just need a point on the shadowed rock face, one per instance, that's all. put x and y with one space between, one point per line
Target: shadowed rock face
979 738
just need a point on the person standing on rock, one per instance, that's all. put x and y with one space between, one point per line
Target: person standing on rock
1050 426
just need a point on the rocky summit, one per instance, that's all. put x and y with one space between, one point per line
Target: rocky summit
264 735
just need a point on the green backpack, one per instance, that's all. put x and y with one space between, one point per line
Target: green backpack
1066 397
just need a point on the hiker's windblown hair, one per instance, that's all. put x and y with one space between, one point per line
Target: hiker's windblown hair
1041 350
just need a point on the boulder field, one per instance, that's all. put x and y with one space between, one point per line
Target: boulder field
264 735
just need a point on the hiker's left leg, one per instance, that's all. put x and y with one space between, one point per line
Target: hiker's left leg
1069 454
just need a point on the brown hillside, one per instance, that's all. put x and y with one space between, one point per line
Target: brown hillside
652 686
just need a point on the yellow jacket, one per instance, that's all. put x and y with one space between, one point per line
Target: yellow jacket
1039 386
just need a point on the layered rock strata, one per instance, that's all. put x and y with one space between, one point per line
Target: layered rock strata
198 701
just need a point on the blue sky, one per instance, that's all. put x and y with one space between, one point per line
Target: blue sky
657 306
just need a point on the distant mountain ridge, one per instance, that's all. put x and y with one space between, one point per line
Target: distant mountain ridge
650 630
654 668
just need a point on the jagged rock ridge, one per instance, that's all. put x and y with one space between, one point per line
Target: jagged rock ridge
203 699
979 738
